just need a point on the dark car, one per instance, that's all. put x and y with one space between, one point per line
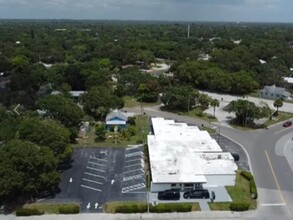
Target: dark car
171 194
287 124
197 194
235 156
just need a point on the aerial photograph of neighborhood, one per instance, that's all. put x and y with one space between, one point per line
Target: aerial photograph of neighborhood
146 109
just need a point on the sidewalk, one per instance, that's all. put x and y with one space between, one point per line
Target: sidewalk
169 216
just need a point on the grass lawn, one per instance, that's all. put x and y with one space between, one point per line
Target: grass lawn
197 112
113 139
283 116
131 102
48 208
210 130
239 193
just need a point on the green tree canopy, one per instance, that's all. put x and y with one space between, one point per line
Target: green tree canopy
26 170
61 108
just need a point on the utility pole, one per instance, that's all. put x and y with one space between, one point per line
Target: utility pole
188 31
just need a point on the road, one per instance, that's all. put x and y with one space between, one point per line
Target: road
273 175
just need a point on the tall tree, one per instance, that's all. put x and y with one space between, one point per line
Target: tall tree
244 110
278 103
215 103
26 170
61 108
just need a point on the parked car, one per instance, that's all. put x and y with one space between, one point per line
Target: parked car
171 194
197 194
235 156
287 124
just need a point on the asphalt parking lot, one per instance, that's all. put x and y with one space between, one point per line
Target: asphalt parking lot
100 175
229 146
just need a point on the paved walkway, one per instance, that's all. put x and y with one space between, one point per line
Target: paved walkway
169 216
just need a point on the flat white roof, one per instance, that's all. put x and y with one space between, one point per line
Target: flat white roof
184 154
288 79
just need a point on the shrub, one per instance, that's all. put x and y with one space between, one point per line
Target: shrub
131 130
139 141
131 120
69 209
176 207
239 206
28 212
246 175
253 189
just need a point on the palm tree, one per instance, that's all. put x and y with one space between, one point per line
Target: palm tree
215 103
278 103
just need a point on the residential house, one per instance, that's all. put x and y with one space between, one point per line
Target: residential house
116 118
273 92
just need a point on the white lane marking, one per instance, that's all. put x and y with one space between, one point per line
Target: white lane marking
97 164
96 205
71 180
112 181
272 204
91 168
91 188
128 161
95 175
92 181
95 158
278 132
88 205
134 171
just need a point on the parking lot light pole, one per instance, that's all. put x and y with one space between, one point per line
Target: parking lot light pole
148 190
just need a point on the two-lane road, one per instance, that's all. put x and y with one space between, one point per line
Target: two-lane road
272 172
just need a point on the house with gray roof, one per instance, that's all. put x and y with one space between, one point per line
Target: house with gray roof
116 118
273 92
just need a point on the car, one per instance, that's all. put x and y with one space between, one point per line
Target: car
170 194
197 194
235 156
287 124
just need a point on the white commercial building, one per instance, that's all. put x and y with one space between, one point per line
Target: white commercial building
186 157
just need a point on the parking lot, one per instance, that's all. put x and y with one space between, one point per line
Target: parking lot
100 175
229 146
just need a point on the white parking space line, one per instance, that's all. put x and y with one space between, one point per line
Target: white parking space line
132 148
95 175
134 154
132 177
92 181
91 188
95 158
133 165
91 168
128 161
134 170
97 164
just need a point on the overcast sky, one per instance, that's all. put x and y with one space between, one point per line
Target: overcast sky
179 10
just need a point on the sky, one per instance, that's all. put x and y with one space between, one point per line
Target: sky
171 10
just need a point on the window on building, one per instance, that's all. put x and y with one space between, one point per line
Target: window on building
188 185
173 184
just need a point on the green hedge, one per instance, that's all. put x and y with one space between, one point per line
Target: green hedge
28 212
131 208
246 175
69 209
174 207
161 208
253 189
239 206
